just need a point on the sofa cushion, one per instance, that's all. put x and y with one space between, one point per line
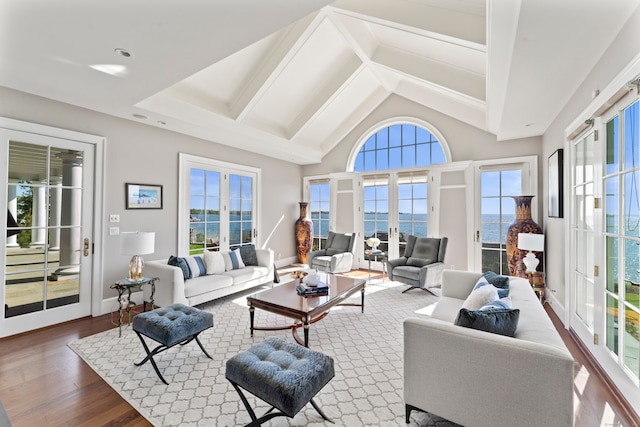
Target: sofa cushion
248 253
204 284
500 282
481 296
182 263
497 321
214 262
196 266
243 275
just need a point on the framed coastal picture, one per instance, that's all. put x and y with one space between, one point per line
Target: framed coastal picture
143 196
555 184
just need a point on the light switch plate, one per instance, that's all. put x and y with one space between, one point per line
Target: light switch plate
114 231
114 218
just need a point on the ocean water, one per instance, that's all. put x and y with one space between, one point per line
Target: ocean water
494 231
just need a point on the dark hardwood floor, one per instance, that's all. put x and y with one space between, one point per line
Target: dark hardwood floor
44 383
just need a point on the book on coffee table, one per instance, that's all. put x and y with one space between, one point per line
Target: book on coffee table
319 289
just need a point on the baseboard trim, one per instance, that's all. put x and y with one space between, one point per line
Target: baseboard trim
597 368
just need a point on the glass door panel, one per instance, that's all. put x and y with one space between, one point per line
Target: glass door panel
497 212
45 249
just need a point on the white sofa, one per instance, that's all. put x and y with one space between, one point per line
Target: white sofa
477 378
172 288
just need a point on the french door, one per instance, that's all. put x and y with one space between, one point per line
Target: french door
495 209
219 205
395 205
47 254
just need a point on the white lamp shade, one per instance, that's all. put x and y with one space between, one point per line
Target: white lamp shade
531 242
137 242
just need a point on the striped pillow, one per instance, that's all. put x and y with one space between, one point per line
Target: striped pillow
196 265
232 260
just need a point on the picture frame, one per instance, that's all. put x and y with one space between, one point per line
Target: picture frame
555 184
143 196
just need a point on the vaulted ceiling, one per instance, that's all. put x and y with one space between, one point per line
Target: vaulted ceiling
290 79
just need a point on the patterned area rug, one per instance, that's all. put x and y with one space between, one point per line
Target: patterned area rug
367 347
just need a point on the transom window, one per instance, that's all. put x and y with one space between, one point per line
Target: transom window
399 146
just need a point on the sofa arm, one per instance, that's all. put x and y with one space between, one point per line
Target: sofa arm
458 284
265 257
170 287
496 380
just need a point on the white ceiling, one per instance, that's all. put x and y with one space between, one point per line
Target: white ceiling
290 78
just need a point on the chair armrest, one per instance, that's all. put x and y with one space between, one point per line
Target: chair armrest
431 274
342 262
393 263
313 254
170 287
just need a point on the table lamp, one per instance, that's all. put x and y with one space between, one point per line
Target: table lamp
137 243
532 243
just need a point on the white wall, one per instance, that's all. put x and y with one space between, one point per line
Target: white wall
140 153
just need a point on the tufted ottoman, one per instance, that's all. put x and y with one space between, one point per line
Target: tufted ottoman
171 325
283 374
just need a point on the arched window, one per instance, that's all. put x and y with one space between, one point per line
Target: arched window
399 146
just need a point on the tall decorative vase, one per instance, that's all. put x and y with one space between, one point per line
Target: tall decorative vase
522 224
304 234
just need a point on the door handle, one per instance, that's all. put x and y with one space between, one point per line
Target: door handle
86 246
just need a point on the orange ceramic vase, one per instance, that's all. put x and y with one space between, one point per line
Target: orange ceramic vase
304 234
522 224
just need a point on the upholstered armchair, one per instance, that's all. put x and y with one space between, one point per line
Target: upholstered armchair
422 264
337 257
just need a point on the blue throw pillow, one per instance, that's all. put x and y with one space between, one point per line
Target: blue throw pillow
196 266
497 321
497 280
248 253
182 263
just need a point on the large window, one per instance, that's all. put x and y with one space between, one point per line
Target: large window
399 146
320 211
622 238
218 205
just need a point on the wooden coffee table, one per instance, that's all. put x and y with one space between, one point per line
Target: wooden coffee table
285 301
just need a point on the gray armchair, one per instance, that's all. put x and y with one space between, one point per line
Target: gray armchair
337 257
422 263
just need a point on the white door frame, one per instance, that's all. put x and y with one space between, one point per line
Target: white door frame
97 189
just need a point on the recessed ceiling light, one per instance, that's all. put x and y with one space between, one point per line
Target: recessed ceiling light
140 116
529 125
123 52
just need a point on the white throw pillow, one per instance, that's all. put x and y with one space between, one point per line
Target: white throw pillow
214 262
480 297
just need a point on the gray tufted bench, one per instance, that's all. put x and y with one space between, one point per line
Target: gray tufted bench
171 325
283 374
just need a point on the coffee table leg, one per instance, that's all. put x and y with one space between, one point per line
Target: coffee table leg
362 300
306 333
252 312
